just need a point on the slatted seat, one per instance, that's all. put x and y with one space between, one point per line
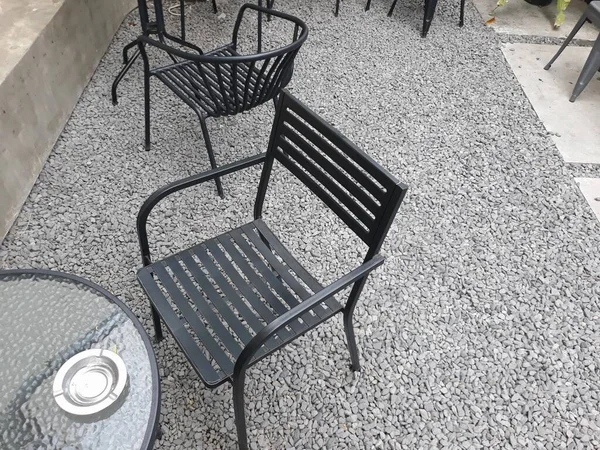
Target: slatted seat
215 296
199 85
233 299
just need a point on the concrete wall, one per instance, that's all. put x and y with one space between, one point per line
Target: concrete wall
49 50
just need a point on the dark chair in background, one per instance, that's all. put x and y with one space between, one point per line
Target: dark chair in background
222 82
234 299
152 27
270 4
430 6
592 64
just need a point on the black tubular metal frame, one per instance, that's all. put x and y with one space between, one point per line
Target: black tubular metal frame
222 82
430 6
153 430
357 189
155 27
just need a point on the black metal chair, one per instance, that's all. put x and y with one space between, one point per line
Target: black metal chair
270 4
222 82
234 299
430 6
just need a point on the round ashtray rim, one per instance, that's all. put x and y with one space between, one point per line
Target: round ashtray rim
61 399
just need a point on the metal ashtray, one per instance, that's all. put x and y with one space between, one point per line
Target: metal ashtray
90 382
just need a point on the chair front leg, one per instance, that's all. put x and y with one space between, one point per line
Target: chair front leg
157 326
238 407
147 110
461 21
348 322
430 6
592 64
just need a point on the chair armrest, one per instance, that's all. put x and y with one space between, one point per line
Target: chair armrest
269 330
176 186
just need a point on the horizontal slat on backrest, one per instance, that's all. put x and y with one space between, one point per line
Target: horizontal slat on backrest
348 181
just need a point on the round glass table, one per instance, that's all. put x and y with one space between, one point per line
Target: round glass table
45 319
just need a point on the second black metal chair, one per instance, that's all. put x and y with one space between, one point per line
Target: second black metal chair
222 82
234 299
429 12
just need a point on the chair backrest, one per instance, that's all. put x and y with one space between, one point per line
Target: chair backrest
355 187
233 83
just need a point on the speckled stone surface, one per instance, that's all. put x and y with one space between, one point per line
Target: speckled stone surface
482 328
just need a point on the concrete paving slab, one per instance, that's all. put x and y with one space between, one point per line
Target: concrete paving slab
590 188
575 127
520 18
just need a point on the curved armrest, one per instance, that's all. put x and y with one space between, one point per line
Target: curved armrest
169 189
268 331
299 24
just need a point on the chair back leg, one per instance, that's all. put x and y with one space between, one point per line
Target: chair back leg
590 69
461 21
568 39
147 110
211 154
430 6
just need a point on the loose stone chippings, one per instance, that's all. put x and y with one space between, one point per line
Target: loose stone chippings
482 328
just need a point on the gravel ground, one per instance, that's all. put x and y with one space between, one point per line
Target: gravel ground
480 331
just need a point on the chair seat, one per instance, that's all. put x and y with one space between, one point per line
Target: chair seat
207 91
216 296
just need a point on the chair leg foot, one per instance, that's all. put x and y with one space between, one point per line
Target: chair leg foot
391 11
590 69
349 328
568 39
157 326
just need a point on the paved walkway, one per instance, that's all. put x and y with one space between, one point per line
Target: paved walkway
481 331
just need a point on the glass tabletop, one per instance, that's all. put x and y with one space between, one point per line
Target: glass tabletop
45 319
